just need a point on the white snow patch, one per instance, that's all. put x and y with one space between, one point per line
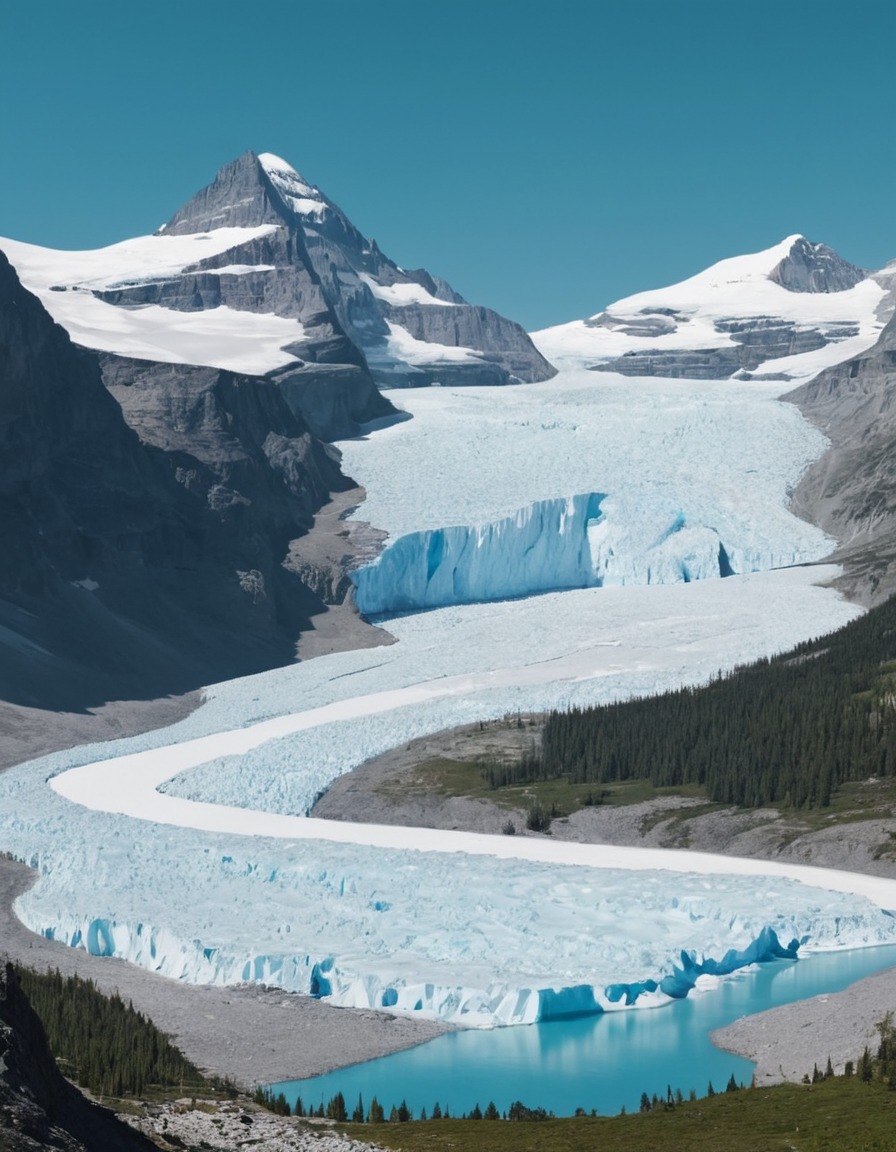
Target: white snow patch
303 198
219 337
137 261
238 269
401 295
403 347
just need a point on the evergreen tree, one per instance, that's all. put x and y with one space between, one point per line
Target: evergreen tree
336 1109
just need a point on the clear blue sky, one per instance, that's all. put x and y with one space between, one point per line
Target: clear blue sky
546 158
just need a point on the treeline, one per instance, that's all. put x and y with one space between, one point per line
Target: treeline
784 731
103 1044
337 1109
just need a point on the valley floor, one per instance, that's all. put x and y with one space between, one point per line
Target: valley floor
257 1035
783 1042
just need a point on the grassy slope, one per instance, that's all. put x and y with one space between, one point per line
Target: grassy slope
837 1115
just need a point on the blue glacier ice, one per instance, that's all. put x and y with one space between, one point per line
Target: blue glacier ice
584 541
541 548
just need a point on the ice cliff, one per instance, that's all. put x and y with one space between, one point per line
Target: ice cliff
583 541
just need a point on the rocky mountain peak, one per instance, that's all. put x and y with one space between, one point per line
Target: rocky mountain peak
809 267
240 196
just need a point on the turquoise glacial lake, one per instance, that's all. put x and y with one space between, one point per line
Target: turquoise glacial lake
602 1062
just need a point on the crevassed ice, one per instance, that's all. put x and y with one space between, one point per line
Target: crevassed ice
474 940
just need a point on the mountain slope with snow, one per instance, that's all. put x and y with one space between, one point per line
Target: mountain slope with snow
782 314
260 272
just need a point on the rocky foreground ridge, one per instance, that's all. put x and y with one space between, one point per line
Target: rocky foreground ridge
38 1107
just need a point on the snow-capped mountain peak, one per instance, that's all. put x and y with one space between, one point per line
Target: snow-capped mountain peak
783 313
260 272
298 195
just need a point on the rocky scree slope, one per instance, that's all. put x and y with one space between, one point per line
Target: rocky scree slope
142 560
38 1107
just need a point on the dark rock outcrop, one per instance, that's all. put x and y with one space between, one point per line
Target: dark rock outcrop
39 1109
851 490
143 560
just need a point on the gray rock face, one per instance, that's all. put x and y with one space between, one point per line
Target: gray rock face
229 440
757 340
144 559
812 267
851 490
324 272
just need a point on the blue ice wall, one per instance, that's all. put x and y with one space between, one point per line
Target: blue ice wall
541 548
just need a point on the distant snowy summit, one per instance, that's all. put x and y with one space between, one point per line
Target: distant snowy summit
782 314
261 273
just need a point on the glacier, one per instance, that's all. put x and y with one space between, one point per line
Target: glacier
542 548
379 926
580 482
471 934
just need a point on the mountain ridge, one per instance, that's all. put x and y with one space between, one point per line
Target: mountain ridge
143 564
269 258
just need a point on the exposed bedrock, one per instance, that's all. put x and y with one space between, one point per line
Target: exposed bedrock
809 267
851 491
756 340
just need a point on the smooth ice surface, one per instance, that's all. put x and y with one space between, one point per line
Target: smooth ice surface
587 479
685 316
